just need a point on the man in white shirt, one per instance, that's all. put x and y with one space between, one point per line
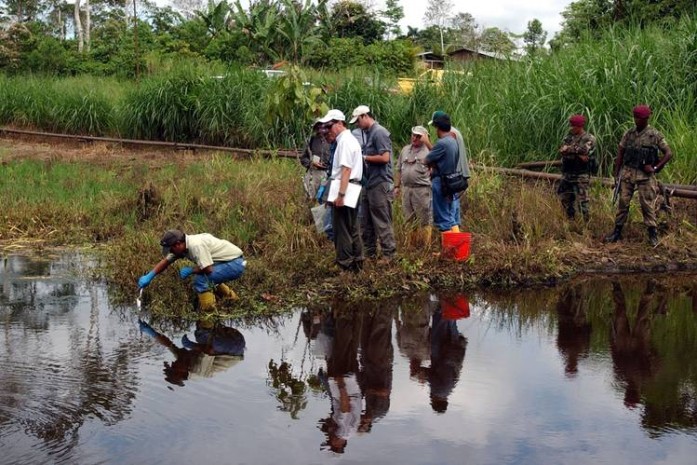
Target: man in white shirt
217 261
347 167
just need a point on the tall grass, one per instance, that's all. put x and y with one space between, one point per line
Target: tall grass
76 105
519 109
508 111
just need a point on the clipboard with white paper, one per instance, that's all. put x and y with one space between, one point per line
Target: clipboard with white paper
353 191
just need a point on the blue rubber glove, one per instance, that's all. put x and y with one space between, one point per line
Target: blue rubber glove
146 329
185 272
144 280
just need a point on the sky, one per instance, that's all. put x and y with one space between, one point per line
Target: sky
508 15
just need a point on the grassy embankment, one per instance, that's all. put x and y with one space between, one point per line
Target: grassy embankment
520 234
509 112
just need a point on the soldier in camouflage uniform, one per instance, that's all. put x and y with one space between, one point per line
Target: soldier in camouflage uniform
577 152
638 161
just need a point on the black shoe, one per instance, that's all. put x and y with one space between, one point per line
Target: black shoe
614 236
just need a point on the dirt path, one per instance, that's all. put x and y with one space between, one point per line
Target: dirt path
100 153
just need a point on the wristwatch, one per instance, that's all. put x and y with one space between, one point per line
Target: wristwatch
342 194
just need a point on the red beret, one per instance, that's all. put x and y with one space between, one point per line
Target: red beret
577 120
642 111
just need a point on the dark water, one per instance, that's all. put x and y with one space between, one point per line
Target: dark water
601 371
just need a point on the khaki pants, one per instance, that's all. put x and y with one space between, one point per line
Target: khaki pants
376 206
417 205
632 180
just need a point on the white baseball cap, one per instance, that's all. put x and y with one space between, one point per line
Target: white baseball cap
420 130
332 115
360 110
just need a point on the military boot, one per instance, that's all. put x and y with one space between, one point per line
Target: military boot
206 302
615 235
653 236
225 293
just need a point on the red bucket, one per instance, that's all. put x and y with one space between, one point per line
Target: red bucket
456 245
455 307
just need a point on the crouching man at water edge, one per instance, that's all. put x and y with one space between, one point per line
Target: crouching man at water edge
217 261
347 166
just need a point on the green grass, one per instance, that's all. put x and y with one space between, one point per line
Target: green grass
519 232
508 111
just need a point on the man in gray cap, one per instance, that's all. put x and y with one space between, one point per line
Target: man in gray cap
376 199
413 181
217 261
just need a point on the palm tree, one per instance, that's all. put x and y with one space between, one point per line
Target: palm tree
299 28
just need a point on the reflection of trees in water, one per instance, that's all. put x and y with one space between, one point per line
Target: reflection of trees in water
291 387
49 393
32 293
518 312
292 383
100 385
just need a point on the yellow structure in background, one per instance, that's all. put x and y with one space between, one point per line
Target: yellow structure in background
406 85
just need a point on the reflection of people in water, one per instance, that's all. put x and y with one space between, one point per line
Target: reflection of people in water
574 335
448 348
216 348
447 354
318 327
634 359
414 332
377 355
342 366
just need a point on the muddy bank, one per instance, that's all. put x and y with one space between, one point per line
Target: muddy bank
118 201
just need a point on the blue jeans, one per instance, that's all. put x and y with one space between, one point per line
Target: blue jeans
456 210
443 207
222 272
328 230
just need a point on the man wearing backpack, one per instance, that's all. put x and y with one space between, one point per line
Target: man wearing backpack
577 164
443 159
462 163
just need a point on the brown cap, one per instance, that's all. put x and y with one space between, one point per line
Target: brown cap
169 238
